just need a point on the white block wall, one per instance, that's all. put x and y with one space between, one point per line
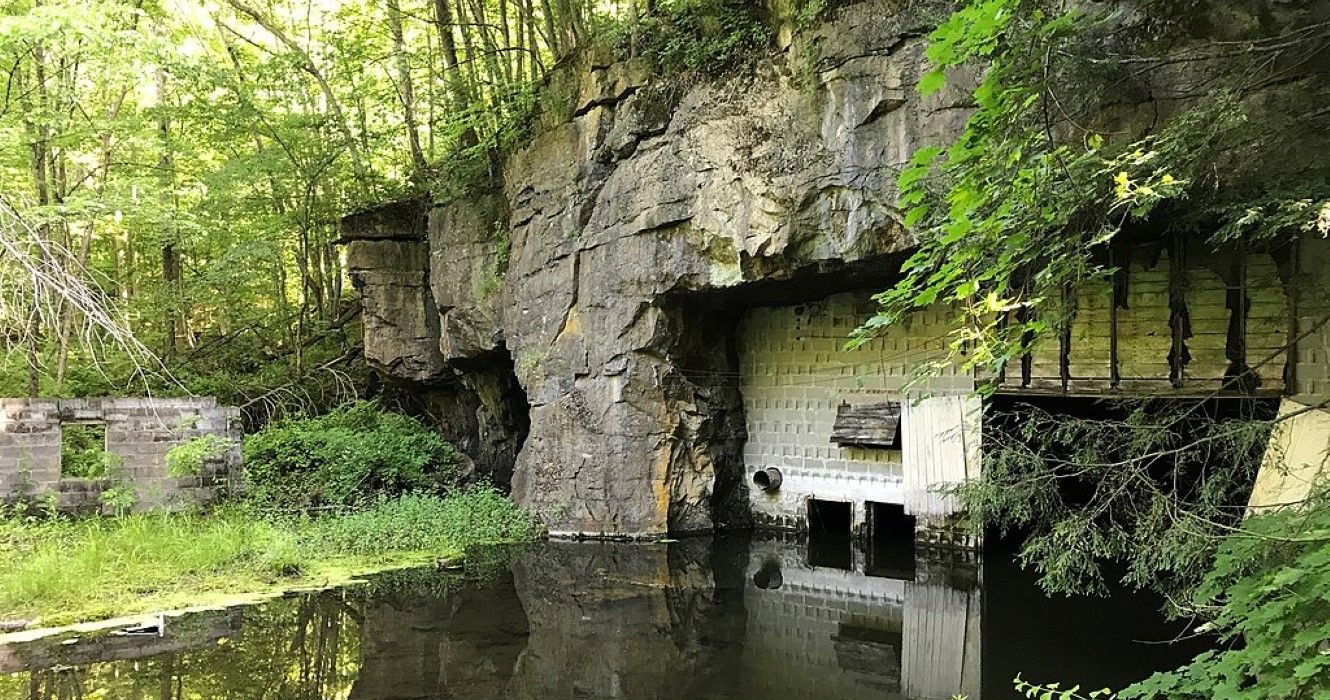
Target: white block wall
795 372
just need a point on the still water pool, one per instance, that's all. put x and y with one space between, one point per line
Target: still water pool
693 620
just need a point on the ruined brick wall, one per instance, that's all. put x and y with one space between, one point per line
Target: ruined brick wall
138 430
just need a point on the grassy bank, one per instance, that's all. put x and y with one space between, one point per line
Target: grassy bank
61 571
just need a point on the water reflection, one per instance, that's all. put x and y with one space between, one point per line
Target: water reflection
729 618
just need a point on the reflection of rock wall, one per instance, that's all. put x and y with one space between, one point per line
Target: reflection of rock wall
615 620
463 645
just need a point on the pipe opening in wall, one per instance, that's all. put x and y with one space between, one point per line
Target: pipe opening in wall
768 479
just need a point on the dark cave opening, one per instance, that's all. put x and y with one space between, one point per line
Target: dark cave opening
703 346
481 409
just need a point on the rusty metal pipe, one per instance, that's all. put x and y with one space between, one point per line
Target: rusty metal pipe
767 479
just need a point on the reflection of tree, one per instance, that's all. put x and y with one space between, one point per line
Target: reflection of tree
303 648
55 683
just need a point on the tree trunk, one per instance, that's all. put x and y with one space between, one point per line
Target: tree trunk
459 93
634 28
37 126
551 30
170 255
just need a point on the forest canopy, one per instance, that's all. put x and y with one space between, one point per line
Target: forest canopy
177 169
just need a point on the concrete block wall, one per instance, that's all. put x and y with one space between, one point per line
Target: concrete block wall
1311 285
29 445
795 372
139 430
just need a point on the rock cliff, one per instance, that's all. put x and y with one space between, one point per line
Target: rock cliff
573 326
606 276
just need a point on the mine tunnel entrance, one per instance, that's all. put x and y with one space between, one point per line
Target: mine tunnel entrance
767 359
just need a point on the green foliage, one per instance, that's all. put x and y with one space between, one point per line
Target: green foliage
810 12
83 452
1055 691
1138 484
188 458
711 36
492 279
1016 213
426 523
1267 598
1269 595
120 499
346 457
72 565
67 569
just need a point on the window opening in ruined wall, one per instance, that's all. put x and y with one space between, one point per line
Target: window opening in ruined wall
83 453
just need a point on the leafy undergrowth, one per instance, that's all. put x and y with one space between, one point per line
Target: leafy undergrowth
62 571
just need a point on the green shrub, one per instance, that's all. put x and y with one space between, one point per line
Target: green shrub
187 458
428 523
346 458
688 35
83 452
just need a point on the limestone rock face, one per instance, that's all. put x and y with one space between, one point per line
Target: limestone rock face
389 264
609 272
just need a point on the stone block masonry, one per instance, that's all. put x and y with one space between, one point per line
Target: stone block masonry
795 372
140 431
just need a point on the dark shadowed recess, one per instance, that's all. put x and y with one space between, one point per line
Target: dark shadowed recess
481 409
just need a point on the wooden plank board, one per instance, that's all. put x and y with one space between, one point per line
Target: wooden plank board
867 424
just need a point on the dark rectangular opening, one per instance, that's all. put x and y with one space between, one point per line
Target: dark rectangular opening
829 538
828 517
890 542
871 647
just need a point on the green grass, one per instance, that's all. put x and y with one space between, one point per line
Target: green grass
62 571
